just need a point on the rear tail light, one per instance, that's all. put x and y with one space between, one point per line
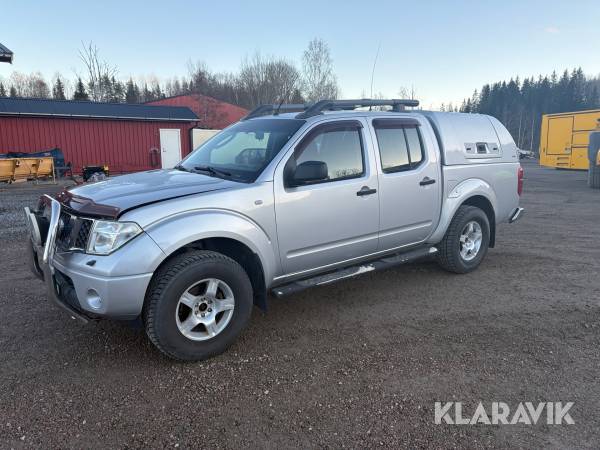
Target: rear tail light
520 181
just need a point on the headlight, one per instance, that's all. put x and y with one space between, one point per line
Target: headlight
107 236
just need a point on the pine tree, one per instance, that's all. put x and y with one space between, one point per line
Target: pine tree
80 92
483 106
563 90
13 91
132 92
157 92
474 101
118 91
146 94
2 90
105 89
58 90
577 89
592 100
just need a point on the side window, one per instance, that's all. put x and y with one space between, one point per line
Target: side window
392 148
338 146
414 145
400 146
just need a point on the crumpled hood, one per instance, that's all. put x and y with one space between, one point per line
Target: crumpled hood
113 197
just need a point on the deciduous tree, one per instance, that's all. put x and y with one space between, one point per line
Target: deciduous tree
319 81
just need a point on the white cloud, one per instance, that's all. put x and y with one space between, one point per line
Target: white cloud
552 30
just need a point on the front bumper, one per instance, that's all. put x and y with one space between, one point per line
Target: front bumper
90 286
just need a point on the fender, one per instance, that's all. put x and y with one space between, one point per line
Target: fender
180 229
461 192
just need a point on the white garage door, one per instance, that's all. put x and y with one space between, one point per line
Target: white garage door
170 148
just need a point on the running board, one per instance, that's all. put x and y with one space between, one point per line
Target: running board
349 272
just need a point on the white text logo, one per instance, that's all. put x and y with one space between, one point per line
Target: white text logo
551 413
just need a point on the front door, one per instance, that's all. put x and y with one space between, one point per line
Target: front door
170 148
335 219
409 183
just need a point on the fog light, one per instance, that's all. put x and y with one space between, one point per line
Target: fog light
94 299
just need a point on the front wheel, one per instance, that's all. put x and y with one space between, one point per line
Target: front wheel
466 241
197 305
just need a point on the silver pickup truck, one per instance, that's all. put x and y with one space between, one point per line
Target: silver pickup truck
290 197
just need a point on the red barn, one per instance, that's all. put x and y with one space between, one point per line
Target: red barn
126 137
212 113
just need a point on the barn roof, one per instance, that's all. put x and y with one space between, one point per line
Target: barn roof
5 54
84 109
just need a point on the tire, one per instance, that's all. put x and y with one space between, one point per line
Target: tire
165 312
449 250
594 175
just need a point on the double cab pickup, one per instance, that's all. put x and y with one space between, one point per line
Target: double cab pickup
290 197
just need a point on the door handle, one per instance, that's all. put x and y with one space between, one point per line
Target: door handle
425 181
366 190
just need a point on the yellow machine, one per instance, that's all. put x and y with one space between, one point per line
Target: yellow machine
564 139
13 169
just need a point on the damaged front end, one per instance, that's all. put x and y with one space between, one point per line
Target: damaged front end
44 226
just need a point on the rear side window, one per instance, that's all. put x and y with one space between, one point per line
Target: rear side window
338 146
400 145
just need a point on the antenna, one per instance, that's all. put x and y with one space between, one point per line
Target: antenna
374 64
279 106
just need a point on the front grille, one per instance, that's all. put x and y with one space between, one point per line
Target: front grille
73 232
84 233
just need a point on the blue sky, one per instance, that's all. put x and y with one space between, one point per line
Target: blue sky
444 49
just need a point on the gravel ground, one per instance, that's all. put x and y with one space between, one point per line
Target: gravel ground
356 364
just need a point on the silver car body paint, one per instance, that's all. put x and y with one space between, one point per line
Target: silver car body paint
302 230
130 191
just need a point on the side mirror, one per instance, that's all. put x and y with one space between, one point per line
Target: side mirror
309 172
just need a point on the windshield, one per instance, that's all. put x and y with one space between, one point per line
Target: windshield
242 151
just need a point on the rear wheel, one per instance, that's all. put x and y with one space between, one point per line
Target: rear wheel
197 305
466 241
594 176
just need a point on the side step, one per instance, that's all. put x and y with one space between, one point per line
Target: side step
349 272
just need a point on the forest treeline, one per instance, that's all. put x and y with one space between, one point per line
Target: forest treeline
520 105
259 79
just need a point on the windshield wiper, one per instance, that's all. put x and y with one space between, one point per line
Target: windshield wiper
213 171
180 167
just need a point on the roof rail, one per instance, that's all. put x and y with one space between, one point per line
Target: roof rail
325 105
317 108
265 110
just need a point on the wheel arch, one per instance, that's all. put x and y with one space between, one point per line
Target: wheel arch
236 250
481 202
231 234
474 192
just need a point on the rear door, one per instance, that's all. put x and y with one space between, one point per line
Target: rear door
409 182
560 135
335 220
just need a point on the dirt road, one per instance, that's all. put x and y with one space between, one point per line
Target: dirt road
356 364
